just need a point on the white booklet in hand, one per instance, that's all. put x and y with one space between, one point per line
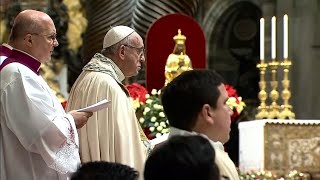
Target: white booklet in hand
96 107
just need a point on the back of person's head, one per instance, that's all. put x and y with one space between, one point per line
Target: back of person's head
184 97
101 170
182 157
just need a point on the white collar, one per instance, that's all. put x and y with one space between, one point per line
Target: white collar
175 131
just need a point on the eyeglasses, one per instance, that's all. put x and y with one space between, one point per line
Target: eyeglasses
52 37
140 50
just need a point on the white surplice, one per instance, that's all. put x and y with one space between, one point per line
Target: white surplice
38 140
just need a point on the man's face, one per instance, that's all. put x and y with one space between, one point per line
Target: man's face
45 41
134 56
222 117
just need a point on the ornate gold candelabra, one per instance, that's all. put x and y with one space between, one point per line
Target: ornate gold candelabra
273 110
263 108
286 108
274 94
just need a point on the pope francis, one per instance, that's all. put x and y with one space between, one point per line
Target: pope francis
112 134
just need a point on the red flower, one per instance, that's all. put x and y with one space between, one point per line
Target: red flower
147 132
137 91
234 115
64 104
231 91
234 103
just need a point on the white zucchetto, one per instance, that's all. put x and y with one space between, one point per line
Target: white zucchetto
116 34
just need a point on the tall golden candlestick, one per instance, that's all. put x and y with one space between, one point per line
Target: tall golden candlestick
274 94
286 108
263 108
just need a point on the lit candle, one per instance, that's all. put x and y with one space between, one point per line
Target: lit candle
285 36
273 37
262 39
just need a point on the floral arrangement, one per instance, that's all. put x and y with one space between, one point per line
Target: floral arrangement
154 120
235 102
149 110
292 175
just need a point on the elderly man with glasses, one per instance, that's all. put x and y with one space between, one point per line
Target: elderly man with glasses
38 139
113 134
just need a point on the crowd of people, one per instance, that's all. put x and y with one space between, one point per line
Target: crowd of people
40 140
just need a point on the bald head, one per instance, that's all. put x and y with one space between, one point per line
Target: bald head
28 21
34 33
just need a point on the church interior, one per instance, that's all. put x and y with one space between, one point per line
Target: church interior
223 35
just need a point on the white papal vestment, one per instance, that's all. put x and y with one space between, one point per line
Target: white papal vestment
111 134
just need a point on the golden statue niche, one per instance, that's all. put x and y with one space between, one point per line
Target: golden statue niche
178 61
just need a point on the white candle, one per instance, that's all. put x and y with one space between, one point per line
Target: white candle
262 39
285 36
273 37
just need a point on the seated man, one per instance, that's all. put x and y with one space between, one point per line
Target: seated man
102 170
195 103
182 157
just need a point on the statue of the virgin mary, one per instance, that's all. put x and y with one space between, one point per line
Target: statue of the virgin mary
178 61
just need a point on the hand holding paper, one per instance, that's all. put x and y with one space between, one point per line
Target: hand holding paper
96 107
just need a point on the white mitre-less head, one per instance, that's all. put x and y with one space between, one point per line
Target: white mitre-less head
116 34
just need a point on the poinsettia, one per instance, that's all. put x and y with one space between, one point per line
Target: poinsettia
235 102
138 94
137 91
231 91
149 110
